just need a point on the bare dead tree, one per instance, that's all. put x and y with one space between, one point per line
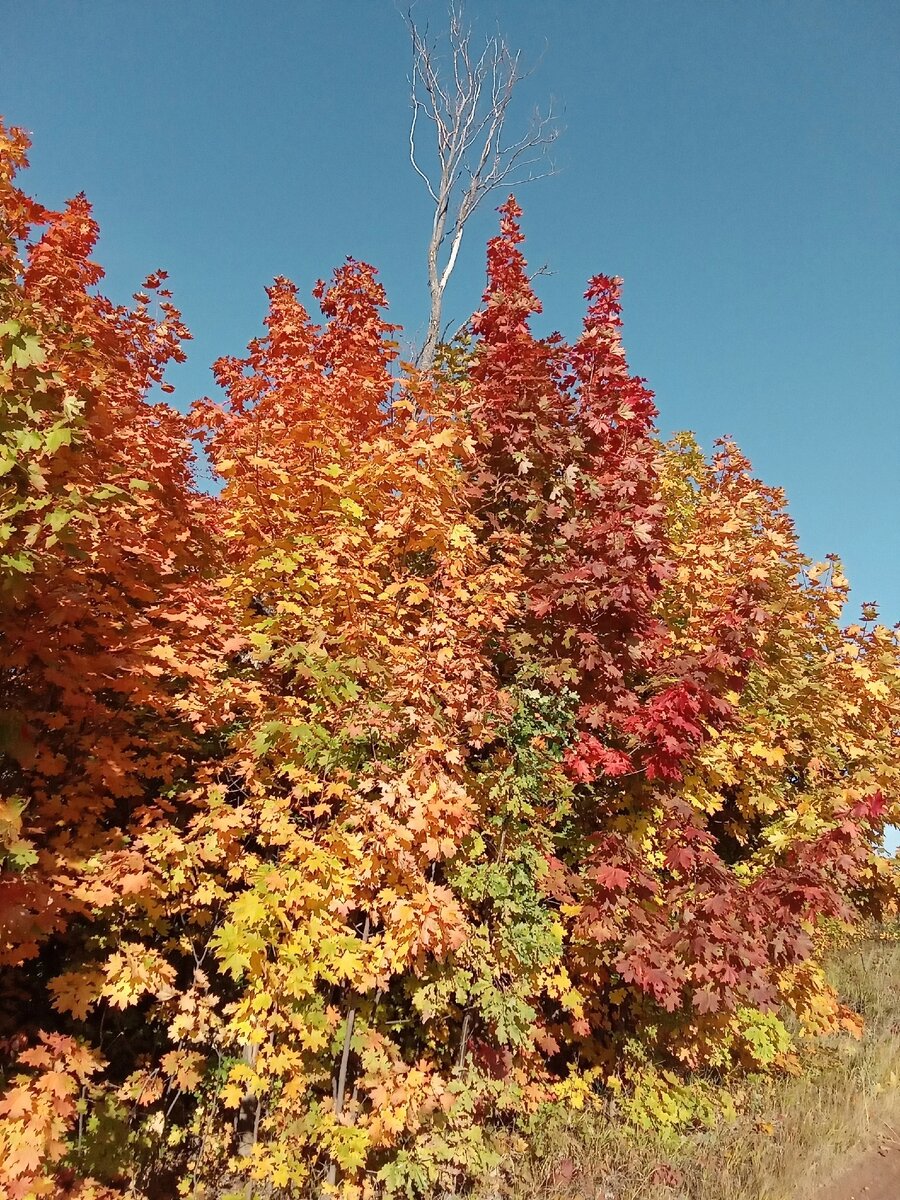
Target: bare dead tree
466 97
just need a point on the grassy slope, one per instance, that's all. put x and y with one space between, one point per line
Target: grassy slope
791 1135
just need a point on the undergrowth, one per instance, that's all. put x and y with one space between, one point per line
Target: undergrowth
773 1138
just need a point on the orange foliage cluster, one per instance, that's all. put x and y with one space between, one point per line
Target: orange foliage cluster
472 752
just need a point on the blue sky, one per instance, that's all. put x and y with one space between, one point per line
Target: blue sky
738 164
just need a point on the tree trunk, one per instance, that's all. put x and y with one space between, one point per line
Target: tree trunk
340 1086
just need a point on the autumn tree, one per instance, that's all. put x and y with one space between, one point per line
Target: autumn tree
471 754
110 642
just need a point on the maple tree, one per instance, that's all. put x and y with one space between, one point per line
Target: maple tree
470 753
110 634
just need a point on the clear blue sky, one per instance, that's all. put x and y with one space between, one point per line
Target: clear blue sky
738 163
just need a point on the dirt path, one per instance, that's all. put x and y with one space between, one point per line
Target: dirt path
873 1176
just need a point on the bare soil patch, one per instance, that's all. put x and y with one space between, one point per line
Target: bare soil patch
873 1175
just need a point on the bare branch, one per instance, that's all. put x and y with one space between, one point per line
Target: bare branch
416 105
473 154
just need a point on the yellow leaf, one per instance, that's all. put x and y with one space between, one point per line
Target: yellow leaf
76 992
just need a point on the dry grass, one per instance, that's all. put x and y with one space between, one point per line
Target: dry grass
791 1136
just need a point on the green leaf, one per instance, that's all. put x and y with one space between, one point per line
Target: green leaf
21 854
58 518
18 562
26 351
60 435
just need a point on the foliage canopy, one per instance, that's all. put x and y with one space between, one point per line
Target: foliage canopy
472 752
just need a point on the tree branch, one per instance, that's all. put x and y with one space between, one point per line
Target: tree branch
472 157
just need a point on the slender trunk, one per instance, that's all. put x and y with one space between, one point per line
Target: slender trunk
339 1088
426 358
247 1122
436 284
463 1040
248 1113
